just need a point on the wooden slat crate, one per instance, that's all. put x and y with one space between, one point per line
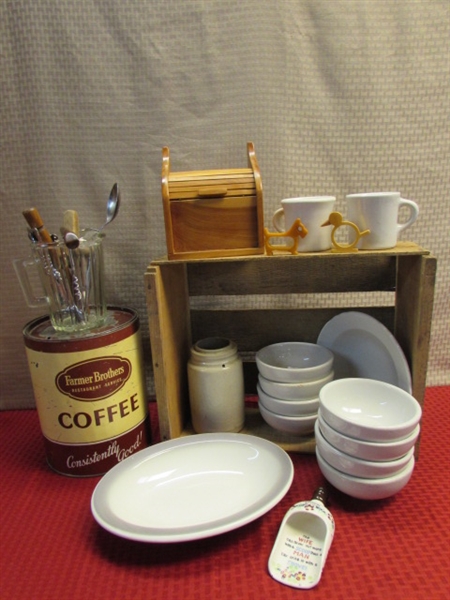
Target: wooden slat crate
213 213
172 287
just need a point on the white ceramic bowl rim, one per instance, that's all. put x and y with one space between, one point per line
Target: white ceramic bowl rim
283 402
288 407
358 461
363 488
296 358
299 384
294 390
288 418
371 482
298 426
357 393
368 443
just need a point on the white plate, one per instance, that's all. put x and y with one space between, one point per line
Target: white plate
192 487
364 347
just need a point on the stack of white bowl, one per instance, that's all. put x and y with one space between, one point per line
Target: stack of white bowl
365 436
290 377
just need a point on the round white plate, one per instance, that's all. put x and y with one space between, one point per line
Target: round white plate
192 487
364 347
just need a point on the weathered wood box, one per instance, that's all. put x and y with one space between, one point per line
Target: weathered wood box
182 299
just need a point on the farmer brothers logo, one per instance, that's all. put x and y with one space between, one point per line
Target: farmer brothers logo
94 379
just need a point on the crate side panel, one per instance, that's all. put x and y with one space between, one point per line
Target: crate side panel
170 337
414 307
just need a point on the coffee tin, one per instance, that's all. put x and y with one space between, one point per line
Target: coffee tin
90 393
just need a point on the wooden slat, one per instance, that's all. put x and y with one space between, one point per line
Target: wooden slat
218 253
170 337
415 293
253 329
230 181
286 274
209 174
401 249
205 191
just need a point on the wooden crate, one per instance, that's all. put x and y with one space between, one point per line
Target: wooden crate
213 213
407 271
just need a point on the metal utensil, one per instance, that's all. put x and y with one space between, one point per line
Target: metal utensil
72 241
33 235
112 206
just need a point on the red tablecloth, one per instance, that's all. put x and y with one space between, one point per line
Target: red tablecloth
51 547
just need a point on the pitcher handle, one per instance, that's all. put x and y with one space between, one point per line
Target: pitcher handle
21 267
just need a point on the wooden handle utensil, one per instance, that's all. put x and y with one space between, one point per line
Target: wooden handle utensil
35 221
71 222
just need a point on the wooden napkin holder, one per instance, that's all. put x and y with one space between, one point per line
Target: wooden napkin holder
209 214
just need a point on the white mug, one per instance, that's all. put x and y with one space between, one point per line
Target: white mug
379 212
312 211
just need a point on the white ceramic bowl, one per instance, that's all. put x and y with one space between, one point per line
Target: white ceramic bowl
358 467
368 409
294 362
374 451
302 426
294 390
288 408
363 488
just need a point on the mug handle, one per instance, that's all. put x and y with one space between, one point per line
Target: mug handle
276 220
21 267
414 213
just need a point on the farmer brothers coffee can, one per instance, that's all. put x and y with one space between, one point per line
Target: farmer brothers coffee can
90 393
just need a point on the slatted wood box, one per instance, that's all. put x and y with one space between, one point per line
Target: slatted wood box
213 213
175 288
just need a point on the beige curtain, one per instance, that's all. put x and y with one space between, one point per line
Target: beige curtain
338 96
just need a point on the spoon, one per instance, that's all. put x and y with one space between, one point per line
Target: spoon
112 206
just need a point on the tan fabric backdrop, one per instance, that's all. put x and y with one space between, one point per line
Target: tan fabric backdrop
338 96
